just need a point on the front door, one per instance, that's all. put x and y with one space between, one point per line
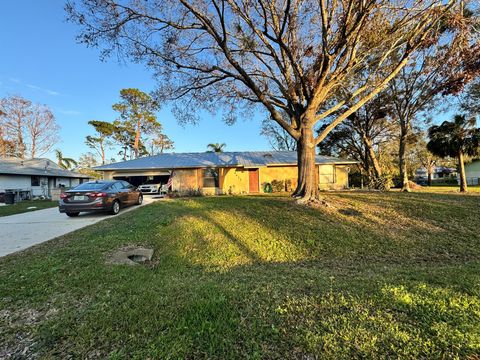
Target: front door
253 180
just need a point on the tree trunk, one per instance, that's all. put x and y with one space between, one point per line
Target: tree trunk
377 170
463 179
402 161
3 144
429 178
20 143
307 187
34 148
102 152
137 140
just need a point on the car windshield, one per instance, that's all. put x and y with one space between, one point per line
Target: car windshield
91 186
151 182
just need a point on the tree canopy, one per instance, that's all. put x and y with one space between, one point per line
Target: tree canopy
216 147
293 58
27 130
137 115
456 139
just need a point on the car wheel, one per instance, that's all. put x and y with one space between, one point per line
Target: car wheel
115 207
72 214
140 199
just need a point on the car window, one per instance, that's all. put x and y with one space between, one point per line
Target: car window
116 186
91 186
125 184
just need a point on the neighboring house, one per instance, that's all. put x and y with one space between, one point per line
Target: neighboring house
226 172
439 172
35 177
472 172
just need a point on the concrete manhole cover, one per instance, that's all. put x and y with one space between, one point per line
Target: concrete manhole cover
130 255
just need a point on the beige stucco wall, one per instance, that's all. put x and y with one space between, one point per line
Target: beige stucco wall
185 179
281 173
333 177
107 175
234 181
341 176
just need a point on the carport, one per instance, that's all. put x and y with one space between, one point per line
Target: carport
139 178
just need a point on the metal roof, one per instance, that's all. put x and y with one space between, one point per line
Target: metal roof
36 167
212 159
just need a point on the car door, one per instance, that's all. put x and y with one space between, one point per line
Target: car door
130 193
122 193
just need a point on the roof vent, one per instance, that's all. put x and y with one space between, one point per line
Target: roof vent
267 155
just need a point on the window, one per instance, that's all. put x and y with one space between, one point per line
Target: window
210 177
117 186
91 186
35 180
327 174
126 185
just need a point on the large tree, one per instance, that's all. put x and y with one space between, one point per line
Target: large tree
137 112
456 139
361 137
101 140
442 68
292 58
28 130
470 99
86 163
159 143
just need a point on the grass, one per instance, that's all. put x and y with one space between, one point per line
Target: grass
450 188
23 206
374 275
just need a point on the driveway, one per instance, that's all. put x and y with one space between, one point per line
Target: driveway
20 231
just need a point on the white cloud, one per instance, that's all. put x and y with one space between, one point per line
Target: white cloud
48 91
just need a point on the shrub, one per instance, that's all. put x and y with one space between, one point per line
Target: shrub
267 187
190 192
288 185
278 185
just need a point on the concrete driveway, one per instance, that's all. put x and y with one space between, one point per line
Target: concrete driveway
20 231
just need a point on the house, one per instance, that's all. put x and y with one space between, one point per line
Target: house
438 172
472 172
35 177
226 172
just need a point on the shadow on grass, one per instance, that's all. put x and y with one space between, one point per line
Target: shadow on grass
248 277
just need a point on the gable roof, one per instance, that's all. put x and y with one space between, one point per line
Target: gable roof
212 159
36 167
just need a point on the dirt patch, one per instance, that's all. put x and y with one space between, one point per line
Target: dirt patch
130 255
350 212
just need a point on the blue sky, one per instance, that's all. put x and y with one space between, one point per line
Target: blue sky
41 61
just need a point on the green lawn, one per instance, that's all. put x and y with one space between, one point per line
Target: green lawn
23 206
373 275
449 188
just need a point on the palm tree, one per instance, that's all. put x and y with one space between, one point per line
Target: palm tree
63 162
216 147
455 139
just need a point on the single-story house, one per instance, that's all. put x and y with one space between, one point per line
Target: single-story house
35 177
438 172
226 172
472 172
